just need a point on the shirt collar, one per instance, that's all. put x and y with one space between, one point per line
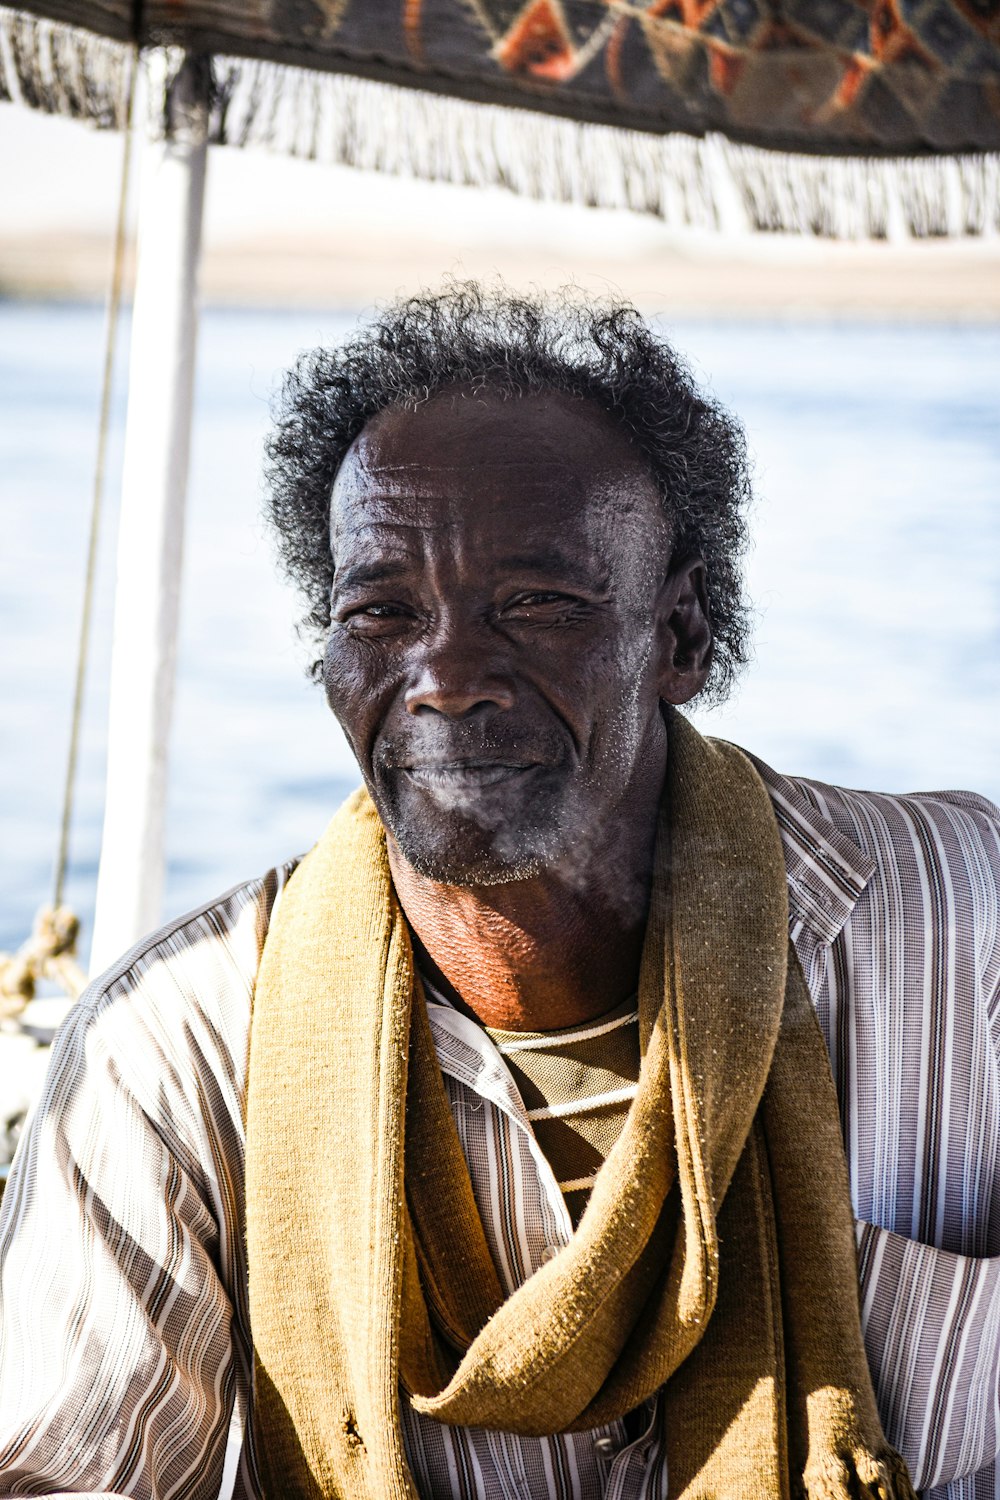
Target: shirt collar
827 871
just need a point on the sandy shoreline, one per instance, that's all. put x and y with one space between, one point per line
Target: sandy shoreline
762 278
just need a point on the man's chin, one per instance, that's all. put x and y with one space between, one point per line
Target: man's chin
475 835
468 862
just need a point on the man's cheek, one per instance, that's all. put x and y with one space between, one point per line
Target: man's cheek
355 683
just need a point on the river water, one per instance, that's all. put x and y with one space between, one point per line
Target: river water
876 576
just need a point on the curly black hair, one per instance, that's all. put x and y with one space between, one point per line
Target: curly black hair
517 344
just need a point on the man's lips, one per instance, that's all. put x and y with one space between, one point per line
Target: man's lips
470 775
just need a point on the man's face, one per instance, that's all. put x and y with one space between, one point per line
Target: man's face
494 656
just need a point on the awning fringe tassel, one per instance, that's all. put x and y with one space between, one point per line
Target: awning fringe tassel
63 70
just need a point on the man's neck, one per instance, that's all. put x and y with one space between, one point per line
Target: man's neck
538 954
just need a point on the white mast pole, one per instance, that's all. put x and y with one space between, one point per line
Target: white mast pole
151 534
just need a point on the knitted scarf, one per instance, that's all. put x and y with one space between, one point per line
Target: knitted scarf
715 1259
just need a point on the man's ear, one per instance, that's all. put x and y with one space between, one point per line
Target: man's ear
685 634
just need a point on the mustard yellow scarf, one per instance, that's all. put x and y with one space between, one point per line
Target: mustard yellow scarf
715 1258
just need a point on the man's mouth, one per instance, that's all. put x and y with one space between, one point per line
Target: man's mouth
464 775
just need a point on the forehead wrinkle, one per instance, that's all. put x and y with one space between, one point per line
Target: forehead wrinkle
361 466
473 461
553 559
380 487
577 460
448 482
406 526
412 511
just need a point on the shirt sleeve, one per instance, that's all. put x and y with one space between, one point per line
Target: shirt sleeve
118 1372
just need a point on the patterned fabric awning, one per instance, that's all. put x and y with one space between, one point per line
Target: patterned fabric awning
844 76
838 117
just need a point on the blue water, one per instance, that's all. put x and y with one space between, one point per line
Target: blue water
876 574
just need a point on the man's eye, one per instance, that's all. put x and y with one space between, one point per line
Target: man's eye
371 618
542 602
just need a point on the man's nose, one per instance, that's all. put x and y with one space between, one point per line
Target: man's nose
455 679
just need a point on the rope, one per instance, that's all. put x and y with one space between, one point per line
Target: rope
107 389
50 951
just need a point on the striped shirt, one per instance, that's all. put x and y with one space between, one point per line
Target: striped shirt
125 1351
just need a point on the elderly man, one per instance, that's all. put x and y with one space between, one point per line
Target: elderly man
492 1149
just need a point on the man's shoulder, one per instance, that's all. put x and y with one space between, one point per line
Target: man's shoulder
938 836
163 1034
191 982
878 821
817 791
230 928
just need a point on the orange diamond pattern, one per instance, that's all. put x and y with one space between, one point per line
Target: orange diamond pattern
845 76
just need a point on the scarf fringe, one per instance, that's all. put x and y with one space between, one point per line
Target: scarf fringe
709 183
851 1477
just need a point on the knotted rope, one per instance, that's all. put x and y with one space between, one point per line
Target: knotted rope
50 951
